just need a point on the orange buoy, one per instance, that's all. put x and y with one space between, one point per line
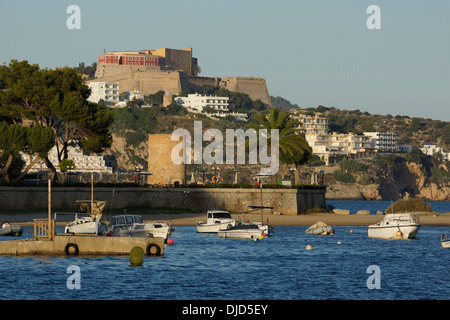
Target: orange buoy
169 241
351 230
399 234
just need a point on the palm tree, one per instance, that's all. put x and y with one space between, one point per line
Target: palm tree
293 148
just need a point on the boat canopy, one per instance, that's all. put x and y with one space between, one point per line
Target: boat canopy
97 207
219 214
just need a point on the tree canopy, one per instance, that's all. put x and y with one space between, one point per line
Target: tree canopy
293 148
56 99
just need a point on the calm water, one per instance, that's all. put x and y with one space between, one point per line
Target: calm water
200 266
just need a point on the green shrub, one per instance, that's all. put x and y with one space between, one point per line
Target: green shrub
409 205
344 177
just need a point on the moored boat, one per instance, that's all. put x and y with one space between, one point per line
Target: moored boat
445 241
129 225
216 220
320 228
90 224
395 226
7 229
242 231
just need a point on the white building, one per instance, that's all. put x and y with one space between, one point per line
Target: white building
383 141
106 91
431 149
326 145
197 102
83 163
316 123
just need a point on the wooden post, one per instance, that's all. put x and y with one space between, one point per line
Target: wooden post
49 209
92 193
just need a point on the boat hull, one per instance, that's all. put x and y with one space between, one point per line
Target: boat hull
11 230
241 234
393 232
163 232
445 244
214 227
86 228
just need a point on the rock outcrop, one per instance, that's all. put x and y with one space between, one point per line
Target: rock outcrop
408 179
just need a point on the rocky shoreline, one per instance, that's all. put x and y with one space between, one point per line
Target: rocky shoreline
345 191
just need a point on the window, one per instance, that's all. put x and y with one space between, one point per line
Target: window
129 219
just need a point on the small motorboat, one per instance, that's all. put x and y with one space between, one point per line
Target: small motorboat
216 220
395 226
7 229
90 224
445 241
129 225
320 228
266 228
242 231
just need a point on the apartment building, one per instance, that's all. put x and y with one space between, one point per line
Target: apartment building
197 102
106 91
383 141
316 123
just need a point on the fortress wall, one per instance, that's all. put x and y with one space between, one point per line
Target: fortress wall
106 70
151 79
256 88
146 82
197 83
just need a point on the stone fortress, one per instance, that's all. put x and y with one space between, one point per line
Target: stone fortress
169 70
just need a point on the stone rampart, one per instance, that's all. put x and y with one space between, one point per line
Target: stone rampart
149 80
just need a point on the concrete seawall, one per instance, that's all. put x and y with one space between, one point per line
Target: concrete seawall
287 201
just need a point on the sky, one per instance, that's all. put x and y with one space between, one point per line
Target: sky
315 52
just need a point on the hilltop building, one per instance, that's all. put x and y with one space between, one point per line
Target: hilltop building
172 59
197 102
327 145
431 149
106 91
383 141
169 70
316 123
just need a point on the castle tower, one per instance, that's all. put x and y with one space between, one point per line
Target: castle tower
160 164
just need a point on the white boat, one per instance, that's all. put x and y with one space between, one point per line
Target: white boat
395 226
216 220
129 225
320 228
445 241
242 231
7 229
266 228
90 224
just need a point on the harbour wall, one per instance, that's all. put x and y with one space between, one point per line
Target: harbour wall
286 201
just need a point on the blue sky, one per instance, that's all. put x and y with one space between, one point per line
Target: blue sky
310 52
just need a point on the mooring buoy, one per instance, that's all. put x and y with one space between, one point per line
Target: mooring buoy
136 257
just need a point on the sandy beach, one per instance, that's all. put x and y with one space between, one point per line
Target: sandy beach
191 219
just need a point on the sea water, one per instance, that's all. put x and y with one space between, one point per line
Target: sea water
206 267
